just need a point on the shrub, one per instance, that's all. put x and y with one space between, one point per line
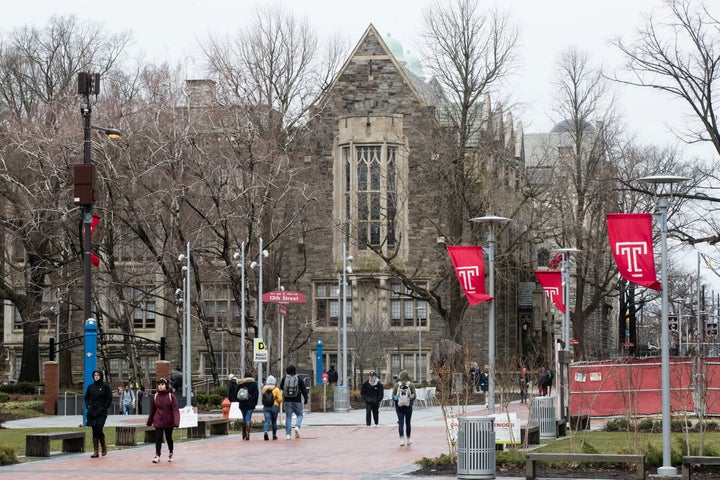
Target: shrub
4 397
442 460
616 425
7 456
646 425
22 388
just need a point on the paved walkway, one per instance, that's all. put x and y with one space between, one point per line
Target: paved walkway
332 446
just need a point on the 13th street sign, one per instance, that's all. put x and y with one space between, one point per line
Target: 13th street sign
282 296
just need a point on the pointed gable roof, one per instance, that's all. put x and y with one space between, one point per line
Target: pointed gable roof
363 51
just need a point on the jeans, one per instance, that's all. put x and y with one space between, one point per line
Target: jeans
127 409
297 409
271 414
404 415
247 415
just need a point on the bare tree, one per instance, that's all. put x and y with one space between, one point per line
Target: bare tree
677 51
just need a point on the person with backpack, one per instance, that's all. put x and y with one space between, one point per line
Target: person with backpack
295 395
247 396
127 400
403 395
545 382
164 416
372 391
272 397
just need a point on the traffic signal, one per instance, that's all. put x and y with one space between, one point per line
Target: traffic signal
673 323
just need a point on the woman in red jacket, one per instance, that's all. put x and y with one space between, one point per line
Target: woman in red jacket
164 416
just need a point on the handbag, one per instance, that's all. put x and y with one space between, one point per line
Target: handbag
188 417
235 411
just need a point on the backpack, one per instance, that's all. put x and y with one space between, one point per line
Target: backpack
243 394
403 394
268 398
291 387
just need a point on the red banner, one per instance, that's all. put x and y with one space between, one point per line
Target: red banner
470 272
630 236
551 281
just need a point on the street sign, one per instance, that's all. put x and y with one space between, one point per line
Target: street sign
260 353
283 310
325 377
574 341
673 323
281 296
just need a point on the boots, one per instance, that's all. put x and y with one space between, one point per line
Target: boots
246 431
103 445
95 448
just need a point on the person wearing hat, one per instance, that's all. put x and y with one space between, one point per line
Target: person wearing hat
372 392
98 398
232 388
270 410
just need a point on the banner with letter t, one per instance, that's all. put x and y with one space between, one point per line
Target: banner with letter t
470 272
630 236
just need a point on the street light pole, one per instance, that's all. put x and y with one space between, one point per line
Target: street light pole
663 205
564 358
344 315
187 354
241 266
491 220
260 306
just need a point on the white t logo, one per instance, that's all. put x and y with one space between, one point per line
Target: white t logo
631 250
551 292
466 276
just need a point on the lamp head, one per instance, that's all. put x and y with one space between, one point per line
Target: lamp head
265 253
348 269
350 259
253 265
236 255
181 258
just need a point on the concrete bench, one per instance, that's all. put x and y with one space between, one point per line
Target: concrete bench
126 435
533 458
689 461
38 444
560 427
218 426
533 434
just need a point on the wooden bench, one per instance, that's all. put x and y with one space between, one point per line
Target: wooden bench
533 458
126 435
218 426
38 444
689 461
560 428
533 434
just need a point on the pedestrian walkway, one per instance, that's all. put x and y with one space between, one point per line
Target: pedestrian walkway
332 446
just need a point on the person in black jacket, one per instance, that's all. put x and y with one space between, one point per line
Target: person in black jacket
332 375
232 388
98 398
248 405
295 394
372 391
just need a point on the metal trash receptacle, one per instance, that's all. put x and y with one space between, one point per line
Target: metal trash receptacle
476 447
543 415
341 399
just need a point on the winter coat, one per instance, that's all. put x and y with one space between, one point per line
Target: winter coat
372 393
277 393
253 393
164 410
98 398
232 389
302 395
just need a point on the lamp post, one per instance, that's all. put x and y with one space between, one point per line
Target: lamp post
187 354
259 264
84 194
563 359
241 266
491 220
346 269
422 315
662 199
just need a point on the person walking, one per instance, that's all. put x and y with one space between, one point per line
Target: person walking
140 396
475 377
484 381
372 392
272 397
247 395
545 382
523 381
127 400
164 416
403 395
98 398
332 375
295 395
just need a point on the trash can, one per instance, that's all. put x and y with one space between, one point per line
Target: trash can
476 448
543 415
341 401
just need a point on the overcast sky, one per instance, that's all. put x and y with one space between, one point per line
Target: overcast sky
165 29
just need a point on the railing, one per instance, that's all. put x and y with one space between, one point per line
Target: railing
65 402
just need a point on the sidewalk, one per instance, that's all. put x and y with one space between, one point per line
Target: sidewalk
332 446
